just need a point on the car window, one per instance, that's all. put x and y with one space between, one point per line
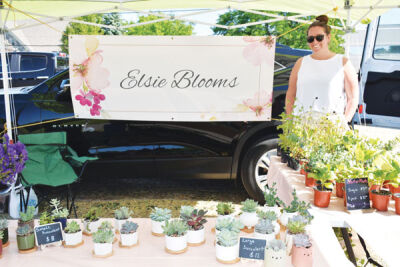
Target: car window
32 62
387 43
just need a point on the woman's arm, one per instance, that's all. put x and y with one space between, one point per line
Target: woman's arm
351 89
291 92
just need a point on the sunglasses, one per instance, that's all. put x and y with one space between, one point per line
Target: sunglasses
311 38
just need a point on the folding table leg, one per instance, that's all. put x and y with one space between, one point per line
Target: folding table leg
346 239
369 259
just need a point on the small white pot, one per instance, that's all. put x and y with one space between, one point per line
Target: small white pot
156 227
177 243
286 216
227 253
195 237
249 219
118 224
275 258
267 237
129 239
101 249
73 239
91 227
277 210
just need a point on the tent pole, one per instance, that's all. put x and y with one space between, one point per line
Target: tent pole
348 27
4 69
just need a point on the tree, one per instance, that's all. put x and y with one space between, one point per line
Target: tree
295 39
112 19
166 27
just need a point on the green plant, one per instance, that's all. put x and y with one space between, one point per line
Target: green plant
160 215
123 213
264 227
387 167
267 215
58 212
249 205
297 205
185 211
299 218
296 227
28 215
195 220
45 218
72 227
301 240
92 215
175 228
276 245
24 230
227 238
271 196
225 208
231 224
103 236
129 227
3 223
106 225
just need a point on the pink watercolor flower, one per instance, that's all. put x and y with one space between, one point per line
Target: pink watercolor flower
97 97
257 51
83 98
259 103
95 110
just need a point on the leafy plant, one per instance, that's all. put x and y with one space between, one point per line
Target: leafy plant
72 227
129 227
267 215
123 213
3 223
160 215
296 227
185 211
24 230
264 227
297 205
249 205
276 245
225 208
175 228
271 196
92 215
58 212
195 220
231 224
227 238
103 236
301 240
106 225
45 218
28 215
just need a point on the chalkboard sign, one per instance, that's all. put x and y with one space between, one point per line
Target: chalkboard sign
252 248
48 234
357 193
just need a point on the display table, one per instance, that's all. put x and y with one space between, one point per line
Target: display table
378 229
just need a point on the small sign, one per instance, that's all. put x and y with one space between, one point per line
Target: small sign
48 234
357 193
252 248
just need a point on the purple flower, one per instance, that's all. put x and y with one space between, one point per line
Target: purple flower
12 160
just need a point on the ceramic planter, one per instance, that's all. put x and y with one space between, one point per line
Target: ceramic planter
102 249
118 224
156 228
322 198
309 181
5 235
267 237
274 258
394 190
195 237
249 219
91 227
26 242
397 203
176 244
284 218
129 240
72 239
63 222
380 202
227 254
302 257
340 190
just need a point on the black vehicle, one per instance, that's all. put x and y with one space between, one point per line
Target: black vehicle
129 149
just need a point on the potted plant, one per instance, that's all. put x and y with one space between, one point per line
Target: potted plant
225 209
4 232
270 216
294 208
264 229
324 175
25 238
45 218
397 202
58 213
185 211
195 221
229 223
129 235
121 216
227 246
103 239
175 236
302 255
275 254
72 235
158 218
294 227
249 213
272 201
91 221
27 217
107 225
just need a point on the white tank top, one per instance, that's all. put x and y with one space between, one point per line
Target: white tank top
320 86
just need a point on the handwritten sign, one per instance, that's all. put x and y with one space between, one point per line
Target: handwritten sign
48 234
357 193
252 248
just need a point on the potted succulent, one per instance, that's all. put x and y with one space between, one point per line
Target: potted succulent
264 229
296 207
72 235
58 213
229 223
45 218
275 254
121 216
270 216
4 231
128 234
107 225
272 201
175 236
225 209
249 213
195 221
302 255
91 221
294 227
185 211
158 218
227 246
103 239
25 238
27 217
397 202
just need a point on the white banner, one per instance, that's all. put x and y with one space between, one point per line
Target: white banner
179 78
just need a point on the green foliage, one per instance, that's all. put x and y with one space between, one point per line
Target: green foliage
3 223
175 228
297 205
296 227
227 238
185 211
231 224
103 236
264 227
113 19
266 215
92 215
195 220
72 227
271 196
58 212
276 245
45 218
160 215
24 230
225 208
129 227
106 225
301 240
168 27
123 213
28 215
249 205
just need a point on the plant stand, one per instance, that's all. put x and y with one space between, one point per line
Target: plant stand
156 234
176 252
27 251
73 246
229 262
103 256
123 246
247 230
87 234
196 244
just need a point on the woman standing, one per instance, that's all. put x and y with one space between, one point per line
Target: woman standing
323 81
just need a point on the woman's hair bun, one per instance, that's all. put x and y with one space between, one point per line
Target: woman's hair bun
322 18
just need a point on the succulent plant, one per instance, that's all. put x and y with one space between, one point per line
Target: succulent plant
28 215
123 213
267 215
160 215
249 205
299 218
24 230
276 245
45 218
225 208
296 227
195 220
106 225
175 228
227 238
72 227
58 211
3 223
92 215
302 240
103 236
185 211
271 196
229 223
264 227
129 227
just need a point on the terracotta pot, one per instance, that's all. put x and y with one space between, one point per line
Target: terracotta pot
302 257
394 190
380 202
397 203
310 182
373 187
322 198
339 189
